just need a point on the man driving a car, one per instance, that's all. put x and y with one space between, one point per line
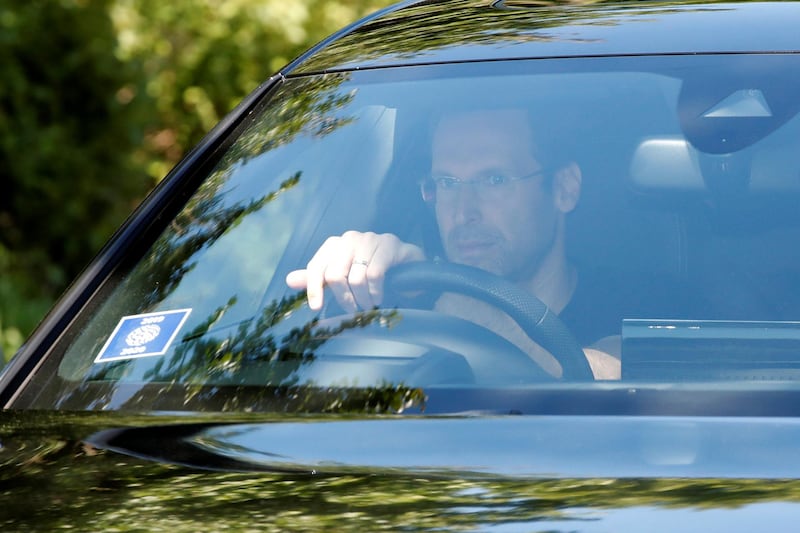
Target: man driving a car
498 208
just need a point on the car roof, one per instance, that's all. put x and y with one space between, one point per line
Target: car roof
457 30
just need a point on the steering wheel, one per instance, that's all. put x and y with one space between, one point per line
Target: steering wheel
529 312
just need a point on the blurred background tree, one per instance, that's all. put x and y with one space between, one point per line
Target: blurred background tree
100 98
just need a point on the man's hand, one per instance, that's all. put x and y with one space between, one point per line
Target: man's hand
353 266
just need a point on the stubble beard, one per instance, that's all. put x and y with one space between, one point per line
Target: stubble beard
500 258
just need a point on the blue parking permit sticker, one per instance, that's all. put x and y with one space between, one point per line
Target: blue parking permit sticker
143 335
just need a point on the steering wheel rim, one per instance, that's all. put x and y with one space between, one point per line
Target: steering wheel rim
534 317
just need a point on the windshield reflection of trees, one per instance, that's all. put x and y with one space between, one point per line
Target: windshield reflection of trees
427 27
243 367
309 110
249 369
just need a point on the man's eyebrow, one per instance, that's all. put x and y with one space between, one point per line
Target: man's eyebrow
493 170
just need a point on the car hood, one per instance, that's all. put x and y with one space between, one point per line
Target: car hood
99 471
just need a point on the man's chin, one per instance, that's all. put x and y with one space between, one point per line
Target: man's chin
489 264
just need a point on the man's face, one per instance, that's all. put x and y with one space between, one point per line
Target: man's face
508 234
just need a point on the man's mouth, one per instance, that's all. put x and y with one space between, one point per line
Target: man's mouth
473 246
470 243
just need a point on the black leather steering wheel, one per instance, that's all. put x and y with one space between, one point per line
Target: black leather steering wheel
531 314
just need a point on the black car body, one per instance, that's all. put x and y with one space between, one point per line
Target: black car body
180 383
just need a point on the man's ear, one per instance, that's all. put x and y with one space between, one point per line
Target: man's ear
567 187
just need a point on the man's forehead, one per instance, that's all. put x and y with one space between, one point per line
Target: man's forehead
490 137
473 121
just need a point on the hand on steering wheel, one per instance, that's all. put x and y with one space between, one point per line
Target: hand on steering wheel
353 266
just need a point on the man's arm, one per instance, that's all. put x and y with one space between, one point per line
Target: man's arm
604 365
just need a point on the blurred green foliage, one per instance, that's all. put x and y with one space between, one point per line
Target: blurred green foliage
100 99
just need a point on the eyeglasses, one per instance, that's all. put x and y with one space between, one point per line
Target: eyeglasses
491 187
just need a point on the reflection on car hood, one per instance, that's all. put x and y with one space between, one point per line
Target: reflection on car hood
474 472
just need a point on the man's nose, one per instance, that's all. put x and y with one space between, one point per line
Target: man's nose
467 203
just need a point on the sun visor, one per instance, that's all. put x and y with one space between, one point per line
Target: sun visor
671 164
666 164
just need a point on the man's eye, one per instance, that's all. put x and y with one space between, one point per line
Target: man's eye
446 183
497 180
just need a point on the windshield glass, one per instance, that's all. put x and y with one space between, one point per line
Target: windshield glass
539 224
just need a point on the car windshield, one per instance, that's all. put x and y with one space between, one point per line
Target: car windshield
680 231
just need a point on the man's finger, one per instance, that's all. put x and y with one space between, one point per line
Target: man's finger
297 279
315 287
359 284
316 272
